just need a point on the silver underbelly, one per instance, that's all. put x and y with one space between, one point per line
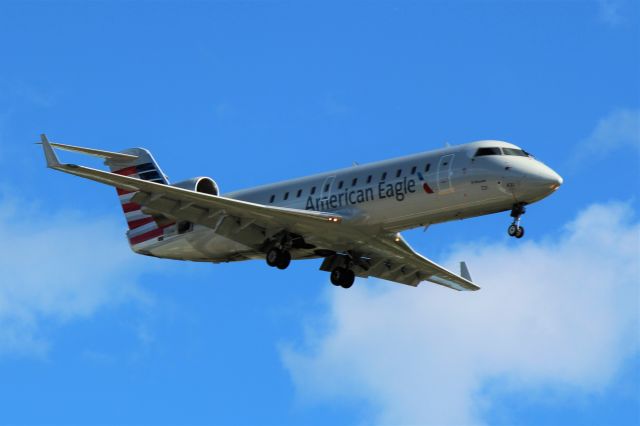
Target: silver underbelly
201 245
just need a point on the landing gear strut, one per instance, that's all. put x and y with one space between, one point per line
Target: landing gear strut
342 277
278 258
515 230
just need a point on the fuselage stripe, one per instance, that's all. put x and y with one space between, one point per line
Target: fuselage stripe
149 235
130 207
124 191
139 222
127 171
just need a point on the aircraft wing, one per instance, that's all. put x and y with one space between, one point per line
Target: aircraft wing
388 256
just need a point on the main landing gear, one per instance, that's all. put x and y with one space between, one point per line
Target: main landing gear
278 258
515 230
342 277
340 267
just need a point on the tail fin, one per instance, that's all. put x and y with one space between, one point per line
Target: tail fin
134 162
143 227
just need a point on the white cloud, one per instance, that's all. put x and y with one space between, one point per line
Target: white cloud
57 267
559 312
619 129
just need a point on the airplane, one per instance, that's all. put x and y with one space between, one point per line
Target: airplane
351 217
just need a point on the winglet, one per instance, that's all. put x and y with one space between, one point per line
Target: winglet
49 154
464 271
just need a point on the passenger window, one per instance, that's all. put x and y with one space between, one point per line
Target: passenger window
313 190
488 151
326 188
427 167
299 193
369 178
286 195
273 197
384 176
398 173
354 182
340 184
413 170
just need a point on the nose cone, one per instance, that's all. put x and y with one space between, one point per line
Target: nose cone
538 182
550 178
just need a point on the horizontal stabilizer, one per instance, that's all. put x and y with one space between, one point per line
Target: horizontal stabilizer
95 152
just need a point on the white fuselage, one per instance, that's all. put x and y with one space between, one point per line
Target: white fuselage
390 196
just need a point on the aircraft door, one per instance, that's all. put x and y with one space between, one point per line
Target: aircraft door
445 172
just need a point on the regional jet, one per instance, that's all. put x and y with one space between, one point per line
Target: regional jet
350 218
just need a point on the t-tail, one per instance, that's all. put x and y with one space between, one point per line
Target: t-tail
137 163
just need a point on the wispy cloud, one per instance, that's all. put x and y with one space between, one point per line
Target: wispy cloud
610 13
4 117
59 267
620 129
34 95
332 106
16 92
559 312
223 110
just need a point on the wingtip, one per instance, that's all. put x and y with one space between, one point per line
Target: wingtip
464 271
49 154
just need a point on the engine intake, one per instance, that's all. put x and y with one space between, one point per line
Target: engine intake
202 184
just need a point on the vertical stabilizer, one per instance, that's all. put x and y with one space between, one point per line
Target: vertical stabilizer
143 228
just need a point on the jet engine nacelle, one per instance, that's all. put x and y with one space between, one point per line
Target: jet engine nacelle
199 184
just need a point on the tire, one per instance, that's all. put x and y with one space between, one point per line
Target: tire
512 230
348 278
284 260
336 276
272 257
520 232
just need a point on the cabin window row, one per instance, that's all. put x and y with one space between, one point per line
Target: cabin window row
354 182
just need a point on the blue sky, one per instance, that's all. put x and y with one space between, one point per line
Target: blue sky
254 92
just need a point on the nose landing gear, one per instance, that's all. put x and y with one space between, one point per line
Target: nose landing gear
515 230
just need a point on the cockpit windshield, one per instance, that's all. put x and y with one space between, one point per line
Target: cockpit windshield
481 152
515 151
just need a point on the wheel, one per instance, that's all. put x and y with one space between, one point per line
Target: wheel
273 255
342 277
348 279
520 232
284 260
513 230
336 276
